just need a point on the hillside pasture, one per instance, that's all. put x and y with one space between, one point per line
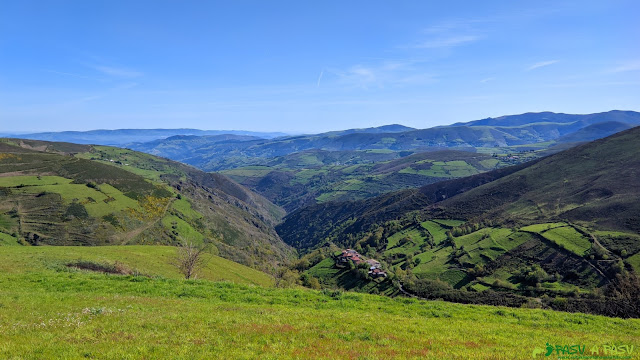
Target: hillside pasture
436 230
99 201
569 238
145 259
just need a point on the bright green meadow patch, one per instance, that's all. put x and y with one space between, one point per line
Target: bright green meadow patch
47 313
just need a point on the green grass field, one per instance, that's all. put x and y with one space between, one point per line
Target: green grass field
146 259
569 238
487 245
444 169
448 222
436 230
47 312
7 240
635 262
539 228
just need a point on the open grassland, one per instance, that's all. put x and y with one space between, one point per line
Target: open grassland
46 314
444 169
146 260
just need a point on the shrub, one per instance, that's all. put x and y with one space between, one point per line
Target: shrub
78 210
115 268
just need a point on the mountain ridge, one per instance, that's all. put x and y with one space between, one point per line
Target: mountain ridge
220 155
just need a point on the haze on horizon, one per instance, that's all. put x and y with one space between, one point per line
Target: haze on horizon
300 67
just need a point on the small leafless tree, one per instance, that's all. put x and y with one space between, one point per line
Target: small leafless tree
190 257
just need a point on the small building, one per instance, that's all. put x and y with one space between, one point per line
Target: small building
347 256
376 273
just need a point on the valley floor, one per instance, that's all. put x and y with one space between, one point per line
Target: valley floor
53 312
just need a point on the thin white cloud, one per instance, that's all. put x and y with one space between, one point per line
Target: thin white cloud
387 73
541 64
117 71
449 34
319 78
626 67
447 41
486 80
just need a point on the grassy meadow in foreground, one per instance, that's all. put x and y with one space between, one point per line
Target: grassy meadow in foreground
49 311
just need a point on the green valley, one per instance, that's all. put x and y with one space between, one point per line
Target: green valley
315 176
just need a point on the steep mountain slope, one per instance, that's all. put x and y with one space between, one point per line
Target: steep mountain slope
63 194
593 182
595 131
554 226
597 182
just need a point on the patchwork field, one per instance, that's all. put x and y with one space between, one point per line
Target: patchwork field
319 176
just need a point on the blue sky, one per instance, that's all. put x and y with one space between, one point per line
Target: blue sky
310 66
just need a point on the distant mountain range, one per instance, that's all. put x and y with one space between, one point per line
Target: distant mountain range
215 154
195 146
126 136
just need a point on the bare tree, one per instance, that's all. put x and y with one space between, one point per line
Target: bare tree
190 257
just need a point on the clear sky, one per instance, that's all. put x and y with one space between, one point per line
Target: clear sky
310 66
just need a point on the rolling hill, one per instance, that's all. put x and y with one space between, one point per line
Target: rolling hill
570 218
68 194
